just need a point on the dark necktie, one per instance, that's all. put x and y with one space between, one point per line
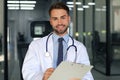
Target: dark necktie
60 51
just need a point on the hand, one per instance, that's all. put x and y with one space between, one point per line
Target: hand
47 73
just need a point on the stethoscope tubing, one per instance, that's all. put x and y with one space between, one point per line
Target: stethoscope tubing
47 41
67 48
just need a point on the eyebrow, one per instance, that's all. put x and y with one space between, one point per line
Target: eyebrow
60 16
64 16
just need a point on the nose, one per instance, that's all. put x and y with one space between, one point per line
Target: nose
59 21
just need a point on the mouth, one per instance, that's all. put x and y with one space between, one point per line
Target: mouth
60 26
60 29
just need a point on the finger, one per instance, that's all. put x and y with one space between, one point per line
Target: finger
49 70
47 73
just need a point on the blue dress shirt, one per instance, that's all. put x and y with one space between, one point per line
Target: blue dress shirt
55 47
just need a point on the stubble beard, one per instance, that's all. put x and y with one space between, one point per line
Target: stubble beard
61 32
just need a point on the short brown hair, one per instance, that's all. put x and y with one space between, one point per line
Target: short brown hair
58 5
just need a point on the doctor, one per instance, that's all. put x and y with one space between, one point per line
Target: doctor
41 58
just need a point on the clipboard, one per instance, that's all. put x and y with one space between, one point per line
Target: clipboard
69 71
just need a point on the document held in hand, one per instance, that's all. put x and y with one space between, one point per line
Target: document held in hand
69 71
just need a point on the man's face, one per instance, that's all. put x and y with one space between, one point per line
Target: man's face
59 19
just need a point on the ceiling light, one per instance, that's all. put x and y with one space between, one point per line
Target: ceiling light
12 5
26 8
24 5
27 5
28 2
13 1
13 8
70 6
100 9
85 6
80 9
77 3
91 3
21 8
33 2
69 2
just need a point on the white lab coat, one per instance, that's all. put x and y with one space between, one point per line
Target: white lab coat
36 63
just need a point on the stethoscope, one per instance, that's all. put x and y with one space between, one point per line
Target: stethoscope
47 54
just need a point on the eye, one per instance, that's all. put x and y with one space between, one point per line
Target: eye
54 19
63 17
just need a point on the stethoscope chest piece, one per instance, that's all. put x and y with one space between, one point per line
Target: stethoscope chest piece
47 54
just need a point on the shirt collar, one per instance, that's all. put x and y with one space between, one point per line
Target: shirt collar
65 37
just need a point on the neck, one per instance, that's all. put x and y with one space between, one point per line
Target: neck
61 35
